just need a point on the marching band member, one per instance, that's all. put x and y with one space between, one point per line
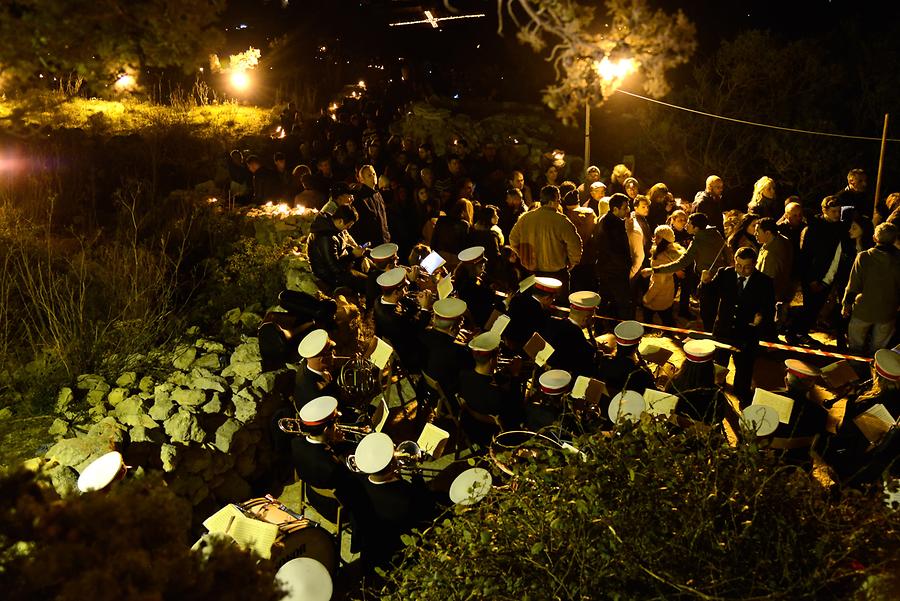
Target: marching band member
398 505
571 337
529 311
445 357
695 383
808 416
398 320
314 378
487 391
383 257
469 280
853 456
544 408
625 365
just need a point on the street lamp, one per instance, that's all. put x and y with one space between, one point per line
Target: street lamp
240 80
612 73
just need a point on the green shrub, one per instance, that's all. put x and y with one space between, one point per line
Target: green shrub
129 543
653 513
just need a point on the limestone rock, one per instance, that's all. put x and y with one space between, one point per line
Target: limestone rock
249 351
221 463
80 451
185 484
64 480
179 378
146 384
244 369
189 397
184 356
233 316
170 455
250 321
127 379
58 428
89 382
233 488
64 399
214 405
183 427
208 361
211 346
130 406
141 420
208 382
245 464
96 413
265 382
225 434
141 433
97 395
162 408
196 459
109 429
116 396
244 406
5 413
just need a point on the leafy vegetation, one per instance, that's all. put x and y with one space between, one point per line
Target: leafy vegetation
129 543
653 512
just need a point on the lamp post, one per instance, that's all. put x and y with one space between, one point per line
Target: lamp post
611 74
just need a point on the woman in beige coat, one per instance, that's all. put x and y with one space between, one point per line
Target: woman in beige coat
660 297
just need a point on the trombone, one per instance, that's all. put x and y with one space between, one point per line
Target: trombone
408 457
293 425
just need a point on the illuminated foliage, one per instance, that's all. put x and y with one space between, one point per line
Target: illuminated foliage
579 40
653 512
98 40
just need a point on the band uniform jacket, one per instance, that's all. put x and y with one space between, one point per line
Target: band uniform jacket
617 370
445 359
738 308
309 385
572 351
401 329
526 316
486 395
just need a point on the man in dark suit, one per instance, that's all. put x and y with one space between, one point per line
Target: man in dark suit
612 255
529 311
487 391
745 299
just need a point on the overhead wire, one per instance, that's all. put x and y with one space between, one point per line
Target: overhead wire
754 123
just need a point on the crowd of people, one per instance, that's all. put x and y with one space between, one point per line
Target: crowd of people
571 262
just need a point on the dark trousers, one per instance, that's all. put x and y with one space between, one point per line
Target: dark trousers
812 305
744 360
616 297
687 287
665 316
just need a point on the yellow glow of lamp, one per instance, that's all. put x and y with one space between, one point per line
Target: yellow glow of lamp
611 70
240 80
125 82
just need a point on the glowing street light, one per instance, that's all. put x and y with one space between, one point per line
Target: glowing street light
240 80
125 82
612 73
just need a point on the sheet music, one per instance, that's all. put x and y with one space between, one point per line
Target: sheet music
874 422
500 324
782 404
382 353
445 287
527 283
250 533
580 387
660 403
540 359
432 440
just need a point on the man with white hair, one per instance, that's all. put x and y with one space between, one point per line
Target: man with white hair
873 293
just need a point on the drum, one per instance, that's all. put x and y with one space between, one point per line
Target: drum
760 420
470 486
102 472
513 446
305 579
305 538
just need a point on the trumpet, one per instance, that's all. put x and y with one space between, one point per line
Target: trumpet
292 425
407 454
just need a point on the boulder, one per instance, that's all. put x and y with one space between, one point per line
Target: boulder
184 356
116 396
146 384
183 427
248 351
97 395
243 369
58 428
80 451
179 378
141 419
127 380
141 433
133 405
170 455
5 413
250 321
212 346
64 480
195 459
206 380
233 488
64 400
265 382
245 406
109 429
233 316
162 408
90 382
225 434
189 397
208 361
214 405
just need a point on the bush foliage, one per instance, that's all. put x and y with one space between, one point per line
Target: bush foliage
653 513
129 543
